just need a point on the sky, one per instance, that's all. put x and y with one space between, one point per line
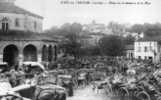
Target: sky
56 14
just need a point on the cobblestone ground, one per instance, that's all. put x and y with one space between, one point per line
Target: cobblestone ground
88 94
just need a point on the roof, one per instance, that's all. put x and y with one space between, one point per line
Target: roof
27 36
98 34
85 36
154 38
129 47
11 8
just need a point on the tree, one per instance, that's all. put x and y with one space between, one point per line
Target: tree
112 45
116 28
71 43
137 28
90 51
129 40
68 28
153 31
148 29
71 48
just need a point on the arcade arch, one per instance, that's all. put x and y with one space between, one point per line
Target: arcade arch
10 55
30 53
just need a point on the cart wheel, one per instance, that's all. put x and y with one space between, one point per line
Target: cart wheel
138 90
159 98
143 96
123 91
115 91
3 98
108 89
16 98
63 97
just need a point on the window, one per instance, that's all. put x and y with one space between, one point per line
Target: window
139 57
131 54
158 49
17 22
150 43
5 24
151 48
155 44
145 57
145 49
139 49
35 25
150 58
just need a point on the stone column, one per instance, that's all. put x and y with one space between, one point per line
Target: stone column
20 56
1 57
39 57
1 54
20 59
47 53
55 52
39 53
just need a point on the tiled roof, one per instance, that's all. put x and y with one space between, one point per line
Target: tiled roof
100 34
11 8
129 47
26 36
154 38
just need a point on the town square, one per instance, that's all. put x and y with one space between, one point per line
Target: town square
91 50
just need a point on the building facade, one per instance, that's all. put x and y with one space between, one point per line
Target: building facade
147 50
91 39
96 28
15 18
129 51
21 37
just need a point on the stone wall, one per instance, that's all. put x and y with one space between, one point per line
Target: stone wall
26 22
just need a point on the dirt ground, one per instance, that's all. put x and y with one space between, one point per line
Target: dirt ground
88 94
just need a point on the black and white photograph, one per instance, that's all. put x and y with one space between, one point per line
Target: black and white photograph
80 50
